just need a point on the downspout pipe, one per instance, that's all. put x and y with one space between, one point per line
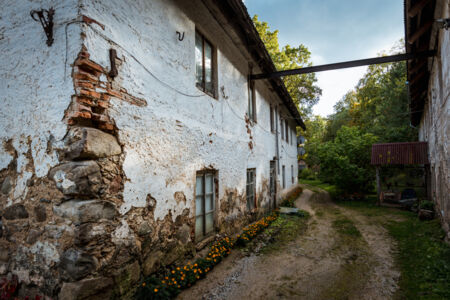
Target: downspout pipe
276 141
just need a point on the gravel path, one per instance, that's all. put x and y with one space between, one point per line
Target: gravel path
318 264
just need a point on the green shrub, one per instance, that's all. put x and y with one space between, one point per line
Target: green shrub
345 161
308 174
426 204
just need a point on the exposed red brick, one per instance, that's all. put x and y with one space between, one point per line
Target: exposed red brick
134 100
100 118
89 93
71 122
103 104
86 101
115 93
80 114
106 126
85 84
84 54
81 107
87 64
81 75
105 97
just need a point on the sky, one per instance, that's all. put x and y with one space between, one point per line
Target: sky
334 31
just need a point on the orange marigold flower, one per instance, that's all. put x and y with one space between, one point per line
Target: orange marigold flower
155 290
143 284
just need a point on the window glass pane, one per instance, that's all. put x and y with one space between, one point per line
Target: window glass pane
198 205
208 68
199 226
199 186
250 189
209 222
199 59
209 183
209 205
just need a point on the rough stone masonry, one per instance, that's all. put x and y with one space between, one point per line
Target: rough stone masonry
98 168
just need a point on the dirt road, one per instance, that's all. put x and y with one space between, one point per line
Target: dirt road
336 254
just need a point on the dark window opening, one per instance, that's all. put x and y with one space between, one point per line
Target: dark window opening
250 189
287 131
272 124
204 64
251 101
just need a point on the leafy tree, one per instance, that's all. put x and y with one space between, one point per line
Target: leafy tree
377 105
375 111
314 137
345 161
302 87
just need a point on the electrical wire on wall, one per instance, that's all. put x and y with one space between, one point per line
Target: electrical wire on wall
130 54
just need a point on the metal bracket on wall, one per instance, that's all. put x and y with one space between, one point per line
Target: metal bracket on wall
46 18
180 36
112 58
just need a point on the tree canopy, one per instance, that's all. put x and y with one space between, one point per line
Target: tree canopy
376 110
302 88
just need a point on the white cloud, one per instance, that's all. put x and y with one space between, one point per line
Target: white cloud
335 84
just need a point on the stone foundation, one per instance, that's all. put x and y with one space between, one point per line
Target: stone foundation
66 239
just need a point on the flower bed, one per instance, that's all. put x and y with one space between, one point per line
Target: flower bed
291 197
170 285
252 230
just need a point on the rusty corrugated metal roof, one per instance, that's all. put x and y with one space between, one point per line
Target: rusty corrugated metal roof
414 153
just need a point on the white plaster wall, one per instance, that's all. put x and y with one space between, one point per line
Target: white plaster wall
34 92
166 142
435 123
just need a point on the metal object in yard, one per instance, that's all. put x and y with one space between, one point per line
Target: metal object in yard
288 210
301 151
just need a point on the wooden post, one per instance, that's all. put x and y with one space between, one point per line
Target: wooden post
378 186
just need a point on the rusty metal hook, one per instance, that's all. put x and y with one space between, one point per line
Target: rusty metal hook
180 36
46 18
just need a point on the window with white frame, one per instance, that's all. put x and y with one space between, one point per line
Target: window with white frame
204 204
250 188
204 64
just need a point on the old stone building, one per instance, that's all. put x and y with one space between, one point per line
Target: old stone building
130 136
429 84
